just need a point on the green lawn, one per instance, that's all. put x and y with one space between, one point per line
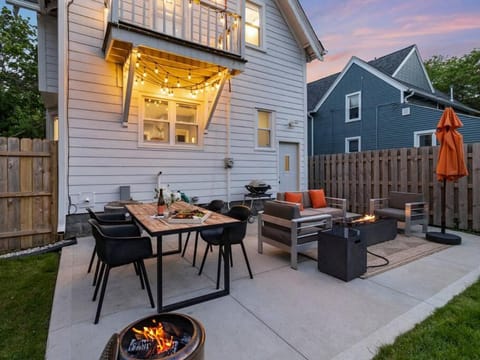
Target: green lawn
451 332
26 293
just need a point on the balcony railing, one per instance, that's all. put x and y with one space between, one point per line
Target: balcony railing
199 22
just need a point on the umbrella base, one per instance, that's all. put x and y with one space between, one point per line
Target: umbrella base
443 238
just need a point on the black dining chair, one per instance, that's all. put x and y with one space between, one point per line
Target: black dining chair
214 205
116 246
107 219
233 234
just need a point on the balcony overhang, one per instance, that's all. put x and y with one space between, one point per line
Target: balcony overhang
121 38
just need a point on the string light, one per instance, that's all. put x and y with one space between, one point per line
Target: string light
189 74
144 71
156 68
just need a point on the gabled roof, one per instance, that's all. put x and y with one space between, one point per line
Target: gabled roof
385 67
301 28
390 63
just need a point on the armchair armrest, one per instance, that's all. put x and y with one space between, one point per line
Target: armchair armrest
315 221
338 203
378 203
416 210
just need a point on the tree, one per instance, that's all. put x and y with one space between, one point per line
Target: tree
22 113
462 73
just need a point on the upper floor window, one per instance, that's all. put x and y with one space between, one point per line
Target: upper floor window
424 138
264 129
169 122
253 24
353 106
353 144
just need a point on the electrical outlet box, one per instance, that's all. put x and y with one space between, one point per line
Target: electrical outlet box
86 199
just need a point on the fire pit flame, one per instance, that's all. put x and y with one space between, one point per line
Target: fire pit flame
365 218
156 334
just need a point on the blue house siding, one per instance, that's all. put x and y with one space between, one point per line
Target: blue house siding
330 128
412 73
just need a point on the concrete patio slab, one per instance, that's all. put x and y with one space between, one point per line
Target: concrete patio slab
280 314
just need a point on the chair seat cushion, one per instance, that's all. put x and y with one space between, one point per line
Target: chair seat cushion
212 236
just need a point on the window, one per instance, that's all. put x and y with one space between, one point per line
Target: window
264 129
253 24
424 138
170 122
352 144
353 107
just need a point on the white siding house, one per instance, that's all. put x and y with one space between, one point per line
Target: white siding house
173 86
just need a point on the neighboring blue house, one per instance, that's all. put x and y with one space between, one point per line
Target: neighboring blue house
386 103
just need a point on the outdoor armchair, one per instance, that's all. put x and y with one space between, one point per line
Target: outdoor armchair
404 206
281 225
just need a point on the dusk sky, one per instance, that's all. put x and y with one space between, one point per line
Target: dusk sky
373 28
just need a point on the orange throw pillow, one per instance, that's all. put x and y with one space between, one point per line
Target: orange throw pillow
295 198
317 197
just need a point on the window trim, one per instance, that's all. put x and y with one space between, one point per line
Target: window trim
417 134
172 122
272 130
261 7
347 106
347 143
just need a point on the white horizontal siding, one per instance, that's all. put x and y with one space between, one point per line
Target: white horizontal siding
104 155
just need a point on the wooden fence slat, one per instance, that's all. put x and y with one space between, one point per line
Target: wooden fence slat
475 175
3 188
26 185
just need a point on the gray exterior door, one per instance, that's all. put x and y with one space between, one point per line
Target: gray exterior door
289 167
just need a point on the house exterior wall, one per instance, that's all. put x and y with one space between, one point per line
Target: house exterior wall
47 54
330 128
104 155
412 73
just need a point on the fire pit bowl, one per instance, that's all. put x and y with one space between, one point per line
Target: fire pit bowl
166 336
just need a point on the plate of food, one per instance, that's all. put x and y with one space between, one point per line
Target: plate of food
189 217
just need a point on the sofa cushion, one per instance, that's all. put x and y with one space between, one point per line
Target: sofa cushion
295 197
335 212
398 214
317 198
281 209
398 199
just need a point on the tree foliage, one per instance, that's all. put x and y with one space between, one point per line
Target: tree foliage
462 73
22 113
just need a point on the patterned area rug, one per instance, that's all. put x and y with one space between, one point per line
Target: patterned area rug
399 251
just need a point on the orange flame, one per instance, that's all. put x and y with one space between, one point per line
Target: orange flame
365 218
157 334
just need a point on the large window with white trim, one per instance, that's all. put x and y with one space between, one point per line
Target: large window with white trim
253 24
353 144
353 106
169 122
424 138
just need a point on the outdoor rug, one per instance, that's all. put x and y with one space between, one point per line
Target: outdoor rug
399 251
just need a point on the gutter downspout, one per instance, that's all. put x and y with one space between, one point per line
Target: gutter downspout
312 137
63 136
405 100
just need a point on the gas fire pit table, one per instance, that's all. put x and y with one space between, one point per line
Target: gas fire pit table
374 230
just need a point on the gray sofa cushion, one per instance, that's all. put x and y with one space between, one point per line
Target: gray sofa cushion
281 209
335 212
398 199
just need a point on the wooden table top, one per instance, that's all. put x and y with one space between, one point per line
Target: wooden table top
145 215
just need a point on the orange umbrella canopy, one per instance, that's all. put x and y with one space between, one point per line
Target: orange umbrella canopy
451 158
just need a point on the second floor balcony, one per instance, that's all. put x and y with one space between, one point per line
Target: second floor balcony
196 29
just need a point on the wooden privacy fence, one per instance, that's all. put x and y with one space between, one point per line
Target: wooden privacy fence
28 193
358 177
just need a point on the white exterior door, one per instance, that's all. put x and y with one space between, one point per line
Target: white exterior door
289 167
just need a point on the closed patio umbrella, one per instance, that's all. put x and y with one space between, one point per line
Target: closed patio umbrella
450 166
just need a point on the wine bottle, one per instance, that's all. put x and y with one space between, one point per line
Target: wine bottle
161 206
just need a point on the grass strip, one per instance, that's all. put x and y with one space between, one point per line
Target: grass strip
451 332
26 294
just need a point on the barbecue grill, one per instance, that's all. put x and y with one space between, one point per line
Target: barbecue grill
257 187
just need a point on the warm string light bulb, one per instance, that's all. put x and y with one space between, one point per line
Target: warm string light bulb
156 68
189 75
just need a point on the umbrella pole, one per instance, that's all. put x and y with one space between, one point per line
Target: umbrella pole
444 205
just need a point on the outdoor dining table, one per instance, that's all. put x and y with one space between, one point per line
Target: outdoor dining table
145 215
